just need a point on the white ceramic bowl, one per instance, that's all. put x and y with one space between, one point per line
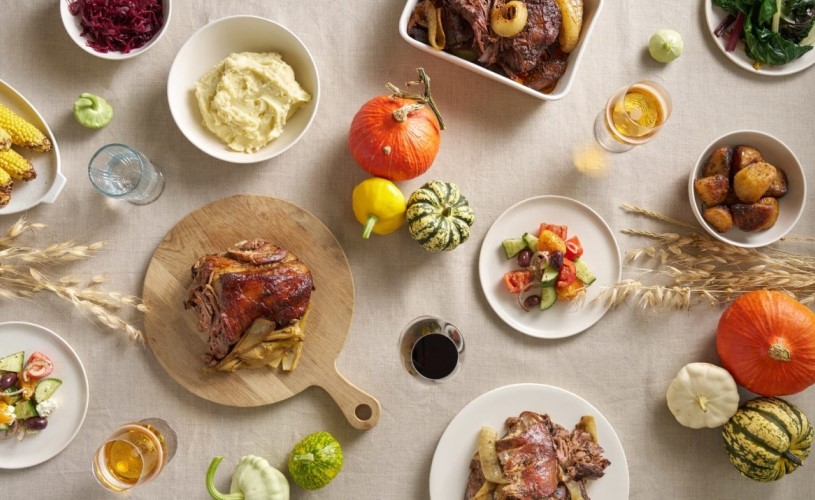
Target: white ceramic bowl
210 45
591 11
791 205
74 29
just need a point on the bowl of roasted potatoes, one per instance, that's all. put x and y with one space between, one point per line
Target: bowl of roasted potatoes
747 189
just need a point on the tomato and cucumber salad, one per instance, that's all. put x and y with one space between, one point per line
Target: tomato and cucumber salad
26 391
550 267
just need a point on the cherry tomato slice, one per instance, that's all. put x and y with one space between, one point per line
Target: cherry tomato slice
567 274
515 281
574 249
559 230
38 366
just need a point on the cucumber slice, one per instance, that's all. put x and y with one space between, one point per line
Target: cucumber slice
10 399
25 409
531 241
548 297
583 272
512 246
13 362
549 276
46 388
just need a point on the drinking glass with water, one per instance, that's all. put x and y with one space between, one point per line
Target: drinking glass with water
121 172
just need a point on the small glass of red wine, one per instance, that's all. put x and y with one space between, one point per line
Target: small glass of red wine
431 348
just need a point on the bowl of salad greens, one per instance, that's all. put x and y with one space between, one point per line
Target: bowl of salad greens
769 37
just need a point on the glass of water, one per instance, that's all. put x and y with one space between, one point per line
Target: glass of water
123 173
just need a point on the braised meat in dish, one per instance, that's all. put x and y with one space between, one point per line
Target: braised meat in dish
540 460
251 300
531 57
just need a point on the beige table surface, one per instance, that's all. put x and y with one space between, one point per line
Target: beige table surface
501 147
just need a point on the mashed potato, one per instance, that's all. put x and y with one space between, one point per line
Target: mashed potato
247 98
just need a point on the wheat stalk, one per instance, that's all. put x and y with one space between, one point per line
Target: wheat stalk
24 273
688 268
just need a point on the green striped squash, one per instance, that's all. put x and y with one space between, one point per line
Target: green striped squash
438 216
767 438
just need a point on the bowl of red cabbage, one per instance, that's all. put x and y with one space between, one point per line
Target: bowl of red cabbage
115 29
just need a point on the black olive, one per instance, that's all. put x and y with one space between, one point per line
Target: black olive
556 259
35 423
8 380
532 301
524 257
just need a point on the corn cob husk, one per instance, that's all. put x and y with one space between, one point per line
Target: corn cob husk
5 139
22 132
16 166
572 14
5 187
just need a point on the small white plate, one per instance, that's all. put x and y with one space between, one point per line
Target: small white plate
450 467
601 254
715 15
72 396
50 181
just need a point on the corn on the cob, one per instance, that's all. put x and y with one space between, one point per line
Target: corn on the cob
12 163
5 139
572 14
23 133
5 188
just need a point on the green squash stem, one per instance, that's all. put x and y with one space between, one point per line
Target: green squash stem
366 232
792 458
305 457
213 492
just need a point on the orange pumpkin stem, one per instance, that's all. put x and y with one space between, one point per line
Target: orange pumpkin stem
401 114
779 353
424 98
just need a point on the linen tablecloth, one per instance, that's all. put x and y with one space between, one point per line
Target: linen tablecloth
500 147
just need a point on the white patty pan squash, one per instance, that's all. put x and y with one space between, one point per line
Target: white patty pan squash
703 395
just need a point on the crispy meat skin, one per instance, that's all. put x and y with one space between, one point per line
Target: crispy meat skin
254 279
533 453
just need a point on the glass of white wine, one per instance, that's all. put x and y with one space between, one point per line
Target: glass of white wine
633 116
134 454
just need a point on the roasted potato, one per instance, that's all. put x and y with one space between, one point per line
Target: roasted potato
719 217
779 186
718 162
751 182
755 216
743 156
712 190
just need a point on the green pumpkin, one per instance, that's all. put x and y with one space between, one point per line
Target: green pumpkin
767 438
438 216
315 460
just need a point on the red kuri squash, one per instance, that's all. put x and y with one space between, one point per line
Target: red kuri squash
397 136
766 340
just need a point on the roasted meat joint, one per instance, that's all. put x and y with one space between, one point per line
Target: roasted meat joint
252 301
537 459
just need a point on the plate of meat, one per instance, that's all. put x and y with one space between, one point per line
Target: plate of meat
250 300
600 256
543 448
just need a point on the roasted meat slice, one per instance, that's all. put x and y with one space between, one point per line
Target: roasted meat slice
521 52
253 280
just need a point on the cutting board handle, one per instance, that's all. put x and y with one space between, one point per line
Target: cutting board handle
360 408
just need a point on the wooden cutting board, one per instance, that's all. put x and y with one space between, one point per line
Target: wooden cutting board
174 338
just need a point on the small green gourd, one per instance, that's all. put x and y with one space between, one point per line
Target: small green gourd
438 216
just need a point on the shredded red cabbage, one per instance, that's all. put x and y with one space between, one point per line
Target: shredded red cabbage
118 25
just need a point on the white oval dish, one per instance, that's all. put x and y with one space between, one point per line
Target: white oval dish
715 15
74 29
72 396
48 184
210 45
602 255
591 11
791 205
457 445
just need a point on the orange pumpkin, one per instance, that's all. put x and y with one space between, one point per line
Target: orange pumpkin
397 136
766 340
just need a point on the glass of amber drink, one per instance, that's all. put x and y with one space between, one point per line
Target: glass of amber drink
134 454
632 116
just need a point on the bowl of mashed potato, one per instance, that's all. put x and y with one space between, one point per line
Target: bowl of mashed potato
243 89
